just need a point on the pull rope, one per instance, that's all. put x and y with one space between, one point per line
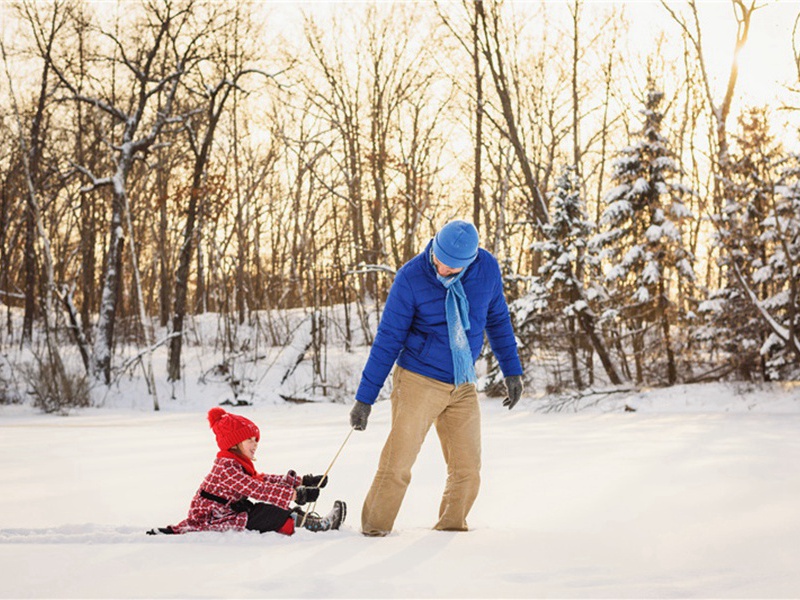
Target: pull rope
325 475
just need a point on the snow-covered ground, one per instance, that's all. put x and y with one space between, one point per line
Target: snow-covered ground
693 495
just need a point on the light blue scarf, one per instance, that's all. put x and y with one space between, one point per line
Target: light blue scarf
457 311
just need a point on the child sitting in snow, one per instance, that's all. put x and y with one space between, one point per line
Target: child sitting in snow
222 504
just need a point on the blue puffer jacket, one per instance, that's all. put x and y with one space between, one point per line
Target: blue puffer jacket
413 328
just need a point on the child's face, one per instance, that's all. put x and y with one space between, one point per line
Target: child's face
248 447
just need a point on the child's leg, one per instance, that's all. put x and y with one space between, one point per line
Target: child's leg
265 517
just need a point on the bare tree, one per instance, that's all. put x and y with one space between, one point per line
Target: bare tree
472 46
720 109
155 62
45 30
491 29
200 130
30 160
492 48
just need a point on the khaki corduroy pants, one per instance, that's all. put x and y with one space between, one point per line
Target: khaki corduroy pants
417 403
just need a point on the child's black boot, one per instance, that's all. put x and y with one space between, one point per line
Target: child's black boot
160 531
313 522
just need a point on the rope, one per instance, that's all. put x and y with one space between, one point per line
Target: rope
325 475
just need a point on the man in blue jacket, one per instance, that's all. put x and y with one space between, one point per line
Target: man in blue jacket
432 327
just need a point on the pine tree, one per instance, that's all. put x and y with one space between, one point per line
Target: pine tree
560 305
782 347
564 257
734 325
641 244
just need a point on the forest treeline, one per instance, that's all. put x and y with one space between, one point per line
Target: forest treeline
166 158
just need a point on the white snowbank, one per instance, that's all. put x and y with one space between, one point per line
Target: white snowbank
695 494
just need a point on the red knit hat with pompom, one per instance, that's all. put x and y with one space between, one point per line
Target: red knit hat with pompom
231 429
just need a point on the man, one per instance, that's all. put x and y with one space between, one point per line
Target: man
432 327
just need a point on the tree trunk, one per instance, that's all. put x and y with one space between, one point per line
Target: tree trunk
29 267
587 324
104 329
672 369
477 184
34 173
492 51
162 193
194 213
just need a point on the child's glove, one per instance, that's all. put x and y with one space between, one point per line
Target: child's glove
319 481
306 494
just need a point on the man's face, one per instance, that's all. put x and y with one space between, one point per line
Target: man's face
443 269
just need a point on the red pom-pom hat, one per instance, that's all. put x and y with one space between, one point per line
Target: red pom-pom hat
231 429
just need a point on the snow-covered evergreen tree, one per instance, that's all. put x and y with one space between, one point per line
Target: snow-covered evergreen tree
749 230
640 242
566 238
564 257
781 309
559 305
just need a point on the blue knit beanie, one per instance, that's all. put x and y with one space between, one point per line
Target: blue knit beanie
456 244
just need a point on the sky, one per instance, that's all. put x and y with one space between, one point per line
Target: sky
766 65
767 59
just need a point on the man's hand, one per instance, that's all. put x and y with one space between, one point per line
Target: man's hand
514 389
359 415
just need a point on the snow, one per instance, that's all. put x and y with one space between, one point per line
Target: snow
619 208
640 187
693 494
653 233
651 274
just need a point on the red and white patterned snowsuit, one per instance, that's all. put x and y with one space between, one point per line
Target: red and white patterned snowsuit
229 480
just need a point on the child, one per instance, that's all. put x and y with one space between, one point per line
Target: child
222 502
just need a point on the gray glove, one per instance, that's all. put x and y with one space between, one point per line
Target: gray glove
359 415
514 389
